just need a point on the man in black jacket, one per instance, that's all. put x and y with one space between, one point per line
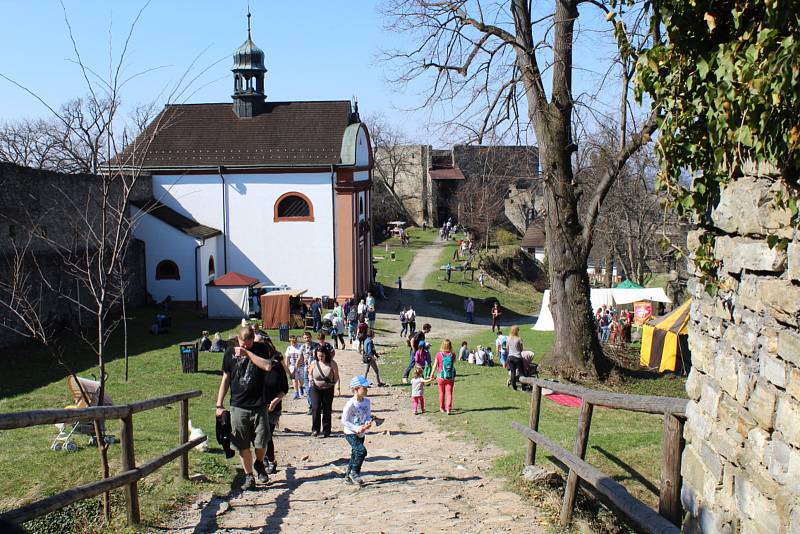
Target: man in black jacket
243 371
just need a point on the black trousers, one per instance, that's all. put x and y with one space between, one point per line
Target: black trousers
514 364
321 409
271 443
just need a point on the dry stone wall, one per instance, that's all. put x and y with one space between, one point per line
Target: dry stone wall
741 464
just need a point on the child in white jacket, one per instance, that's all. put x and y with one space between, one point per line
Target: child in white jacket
356 420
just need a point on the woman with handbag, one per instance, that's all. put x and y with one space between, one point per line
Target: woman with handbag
324 375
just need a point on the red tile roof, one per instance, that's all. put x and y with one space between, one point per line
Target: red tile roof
446 174
234 279
284 133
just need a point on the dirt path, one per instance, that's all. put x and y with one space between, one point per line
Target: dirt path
445 322
418 479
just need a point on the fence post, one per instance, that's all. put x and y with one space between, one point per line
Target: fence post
581 439
128 463
536 402
184 437
669 503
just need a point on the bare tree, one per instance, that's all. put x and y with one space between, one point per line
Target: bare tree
491 62
30 143
93 234
491 172
396 167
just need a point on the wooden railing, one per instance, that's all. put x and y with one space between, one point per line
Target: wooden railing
130 474
674 411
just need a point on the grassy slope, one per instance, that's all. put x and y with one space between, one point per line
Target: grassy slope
389 270
31 470
520 299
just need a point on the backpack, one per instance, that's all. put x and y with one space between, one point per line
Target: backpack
411 315
361 333
448 371
352 315
403 318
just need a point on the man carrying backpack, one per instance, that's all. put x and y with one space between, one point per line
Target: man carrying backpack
411 315
403 322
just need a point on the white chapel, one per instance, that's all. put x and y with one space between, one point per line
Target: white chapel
278 191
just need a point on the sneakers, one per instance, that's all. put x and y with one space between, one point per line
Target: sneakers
405 380
382 384
296 395
314 434
309 411
347 479
355 478
272 468
261 472
249 483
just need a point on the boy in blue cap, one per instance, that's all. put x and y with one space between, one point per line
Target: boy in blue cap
356 420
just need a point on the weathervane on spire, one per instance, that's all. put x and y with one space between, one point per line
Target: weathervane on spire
248 20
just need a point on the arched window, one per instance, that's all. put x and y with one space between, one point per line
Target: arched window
293 207
167 270
211 270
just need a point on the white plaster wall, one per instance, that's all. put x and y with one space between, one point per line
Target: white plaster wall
163 242
212 247
257 246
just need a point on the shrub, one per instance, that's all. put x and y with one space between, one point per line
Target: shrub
504 237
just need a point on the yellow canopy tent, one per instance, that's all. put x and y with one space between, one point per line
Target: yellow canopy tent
664 342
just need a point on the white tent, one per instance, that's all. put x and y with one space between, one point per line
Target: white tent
599 297
229 296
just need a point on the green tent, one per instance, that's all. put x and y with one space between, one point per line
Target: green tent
627 284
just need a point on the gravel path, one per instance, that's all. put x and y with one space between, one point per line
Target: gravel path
419 478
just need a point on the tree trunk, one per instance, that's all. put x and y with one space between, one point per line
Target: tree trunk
99 432
576 339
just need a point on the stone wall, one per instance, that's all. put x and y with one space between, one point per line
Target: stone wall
407 166
64 205
741 464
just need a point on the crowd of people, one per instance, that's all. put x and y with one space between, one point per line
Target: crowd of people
510 353
613 326
257 376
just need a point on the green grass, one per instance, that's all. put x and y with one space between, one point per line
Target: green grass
388 269
625 445
35 381
517 300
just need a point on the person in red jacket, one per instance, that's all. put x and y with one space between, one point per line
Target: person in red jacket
496 313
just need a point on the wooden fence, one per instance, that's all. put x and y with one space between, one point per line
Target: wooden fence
130 474
668 517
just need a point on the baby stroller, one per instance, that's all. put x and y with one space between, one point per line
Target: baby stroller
529 368
64 440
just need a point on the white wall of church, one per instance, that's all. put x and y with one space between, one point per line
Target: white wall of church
163 242
298 254
212 248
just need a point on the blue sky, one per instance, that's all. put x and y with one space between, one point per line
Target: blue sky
315 50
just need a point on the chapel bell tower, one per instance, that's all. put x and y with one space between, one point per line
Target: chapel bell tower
248 78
